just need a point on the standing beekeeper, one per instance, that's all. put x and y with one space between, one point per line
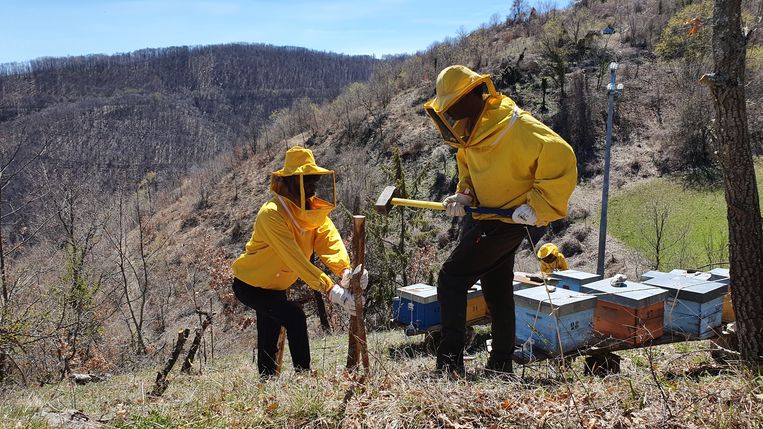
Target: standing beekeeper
288 230
506 159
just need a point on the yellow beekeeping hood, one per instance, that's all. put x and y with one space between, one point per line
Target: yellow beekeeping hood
453 83
547 250
301 162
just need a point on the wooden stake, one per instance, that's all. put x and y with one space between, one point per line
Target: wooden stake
161 383
357 348
188 362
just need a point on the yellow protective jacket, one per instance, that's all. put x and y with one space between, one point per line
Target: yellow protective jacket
559 264
510 158
285 235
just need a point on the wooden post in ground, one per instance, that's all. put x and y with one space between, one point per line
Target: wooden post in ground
188 362
357 351
161 383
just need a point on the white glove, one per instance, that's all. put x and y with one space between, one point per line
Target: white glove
454 204
347 275
343 299
524 214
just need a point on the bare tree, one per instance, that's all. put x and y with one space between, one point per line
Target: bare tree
135 256
660 238
518 10
11 167
727 85
81 225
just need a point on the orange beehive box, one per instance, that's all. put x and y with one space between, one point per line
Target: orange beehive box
629 311
633 325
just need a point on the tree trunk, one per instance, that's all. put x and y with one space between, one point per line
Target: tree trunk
735 155
4 296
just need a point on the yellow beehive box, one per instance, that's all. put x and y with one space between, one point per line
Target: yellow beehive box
476 307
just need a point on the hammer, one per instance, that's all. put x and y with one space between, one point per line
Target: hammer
389 198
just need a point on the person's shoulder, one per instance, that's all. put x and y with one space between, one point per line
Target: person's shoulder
530 119
270 211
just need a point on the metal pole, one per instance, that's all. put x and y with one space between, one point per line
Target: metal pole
611 88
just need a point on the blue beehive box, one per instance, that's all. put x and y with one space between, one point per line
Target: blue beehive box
573 279
693 306
537 317
720 275
417 305
682 273
652 274
518 285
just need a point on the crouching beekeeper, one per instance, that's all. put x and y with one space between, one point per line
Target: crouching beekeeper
551 259
288 229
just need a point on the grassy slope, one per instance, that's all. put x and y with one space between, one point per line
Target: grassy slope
400 392
700 213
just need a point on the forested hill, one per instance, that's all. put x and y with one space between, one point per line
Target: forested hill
121 116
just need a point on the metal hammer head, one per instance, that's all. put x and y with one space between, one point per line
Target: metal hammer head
384 202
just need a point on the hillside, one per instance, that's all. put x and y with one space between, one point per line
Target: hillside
665 387
178 241
107 122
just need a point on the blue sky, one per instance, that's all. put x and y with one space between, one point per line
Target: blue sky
37 28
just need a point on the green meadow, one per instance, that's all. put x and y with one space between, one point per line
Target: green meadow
687 225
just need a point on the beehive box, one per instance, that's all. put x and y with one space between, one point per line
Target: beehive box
631 311
476 308
573 279
537 317
652 274
524 281
678 272
693 306
722 275
417 305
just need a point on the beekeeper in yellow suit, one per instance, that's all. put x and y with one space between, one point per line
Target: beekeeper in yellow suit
288 229
551 259
506 159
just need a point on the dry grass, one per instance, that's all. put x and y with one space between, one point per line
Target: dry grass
682 387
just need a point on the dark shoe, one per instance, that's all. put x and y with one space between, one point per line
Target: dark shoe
451 363
450 370
499 366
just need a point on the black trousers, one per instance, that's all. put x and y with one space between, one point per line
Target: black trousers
485 251
273 312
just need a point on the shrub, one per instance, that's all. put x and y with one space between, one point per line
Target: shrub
678 40
688 148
